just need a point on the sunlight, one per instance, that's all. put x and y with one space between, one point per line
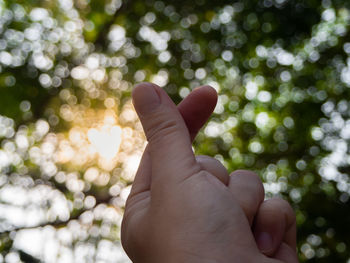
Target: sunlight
87 143
101 138
106 140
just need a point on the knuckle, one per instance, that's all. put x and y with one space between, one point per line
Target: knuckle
283 207
254 182
215 167
246 173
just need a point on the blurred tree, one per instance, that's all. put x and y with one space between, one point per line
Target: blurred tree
70 141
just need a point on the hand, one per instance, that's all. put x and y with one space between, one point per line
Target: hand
187 209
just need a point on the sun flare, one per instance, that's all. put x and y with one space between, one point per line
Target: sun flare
101 138
106 140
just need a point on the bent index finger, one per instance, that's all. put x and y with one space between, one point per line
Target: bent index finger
197 107
167 134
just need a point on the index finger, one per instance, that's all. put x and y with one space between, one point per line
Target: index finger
197 107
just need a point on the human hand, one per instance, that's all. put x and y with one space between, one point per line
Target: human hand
187 209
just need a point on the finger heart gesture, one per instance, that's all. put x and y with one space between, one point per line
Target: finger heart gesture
184 208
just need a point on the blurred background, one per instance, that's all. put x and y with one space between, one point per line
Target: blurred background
70 141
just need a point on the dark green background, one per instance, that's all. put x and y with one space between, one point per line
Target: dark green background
317 32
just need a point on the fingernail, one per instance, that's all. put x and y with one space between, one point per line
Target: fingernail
264 241
145 98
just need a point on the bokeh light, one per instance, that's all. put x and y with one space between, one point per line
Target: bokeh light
70 140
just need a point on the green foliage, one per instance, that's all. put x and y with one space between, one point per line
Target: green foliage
282 71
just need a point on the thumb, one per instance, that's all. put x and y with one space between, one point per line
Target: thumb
170 146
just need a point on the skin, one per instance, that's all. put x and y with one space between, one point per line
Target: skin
184 208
